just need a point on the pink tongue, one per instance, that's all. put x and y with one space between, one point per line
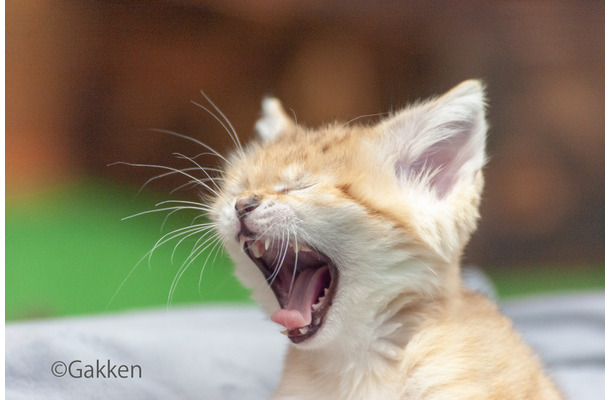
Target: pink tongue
297 313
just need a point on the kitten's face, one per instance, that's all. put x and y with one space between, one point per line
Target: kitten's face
294 229
328 226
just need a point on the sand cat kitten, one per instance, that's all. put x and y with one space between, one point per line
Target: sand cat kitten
351 236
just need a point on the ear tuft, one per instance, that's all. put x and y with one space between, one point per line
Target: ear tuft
441 142
274 120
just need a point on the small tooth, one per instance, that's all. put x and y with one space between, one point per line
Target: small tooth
304 330
304 247
284 332
317 305
325 292
267 242
316 321
242 241
257 249
291 244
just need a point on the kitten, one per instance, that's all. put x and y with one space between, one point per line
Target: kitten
350 238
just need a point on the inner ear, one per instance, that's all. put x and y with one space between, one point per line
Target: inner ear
444 160
440 142
274 121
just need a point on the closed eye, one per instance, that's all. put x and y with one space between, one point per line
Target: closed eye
285 189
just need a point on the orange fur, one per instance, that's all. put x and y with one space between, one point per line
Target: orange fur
392 205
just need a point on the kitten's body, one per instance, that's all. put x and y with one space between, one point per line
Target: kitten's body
463 350
377 217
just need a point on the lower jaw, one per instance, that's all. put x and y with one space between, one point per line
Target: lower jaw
318 318
297 337
323 340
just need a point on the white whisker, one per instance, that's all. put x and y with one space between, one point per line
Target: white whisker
228 127
206 153
123 282
168 237
179 171
176 208
217 244
261 235
165 174
179 155
296 261
189 260
214 152
281 244
277 268
193 203
148 254
205 232
196 218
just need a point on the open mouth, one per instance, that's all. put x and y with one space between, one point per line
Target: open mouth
303 280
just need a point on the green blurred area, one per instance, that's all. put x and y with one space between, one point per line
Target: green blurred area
69 252
521 281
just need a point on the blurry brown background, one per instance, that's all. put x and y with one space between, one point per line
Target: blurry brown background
86 79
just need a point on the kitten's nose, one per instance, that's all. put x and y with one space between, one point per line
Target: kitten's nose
245 205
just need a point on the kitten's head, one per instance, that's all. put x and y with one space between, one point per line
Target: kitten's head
329 226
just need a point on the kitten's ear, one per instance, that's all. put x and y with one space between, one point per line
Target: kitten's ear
274 120
441 142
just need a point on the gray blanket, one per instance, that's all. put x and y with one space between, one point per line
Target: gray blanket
235 353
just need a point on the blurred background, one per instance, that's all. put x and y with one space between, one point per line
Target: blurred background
87 80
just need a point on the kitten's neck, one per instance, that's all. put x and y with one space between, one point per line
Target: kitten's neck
386 321
360 362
